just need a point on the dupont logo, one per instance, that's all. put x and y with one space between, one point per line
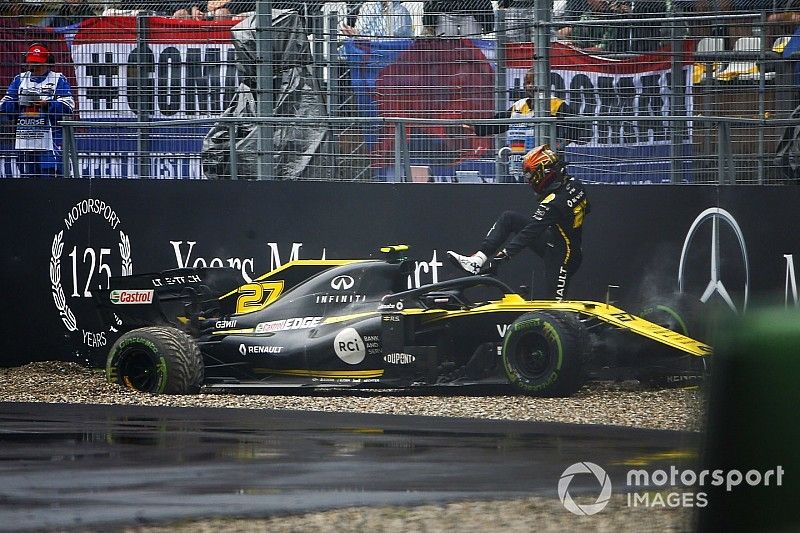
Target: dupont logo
135 296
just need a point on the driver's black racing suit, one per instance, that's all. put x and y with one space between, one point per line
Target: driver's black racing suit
554 232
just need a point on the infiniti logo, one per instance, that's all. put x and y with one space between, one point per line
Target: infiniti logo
342 283
715 283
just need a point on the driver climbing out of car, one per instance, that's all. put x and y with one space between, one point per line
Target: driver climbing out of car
554 230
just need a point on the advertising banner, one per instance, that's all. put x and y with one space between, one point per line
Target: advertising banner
66 238
456 77
186 69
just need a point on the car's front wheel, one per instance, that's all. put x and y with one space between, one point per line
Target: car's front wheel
157 359
543 353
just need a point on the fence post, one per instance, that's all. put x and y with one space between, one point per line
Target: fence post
501 91
143 136
66 151
402 158
317 19
233 156
541 60
762 91
69 153
724 158
265 105
335 102
677 99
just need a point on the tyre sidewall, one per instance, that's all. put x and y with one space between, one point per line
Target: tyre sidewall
123 347
669 316
563 370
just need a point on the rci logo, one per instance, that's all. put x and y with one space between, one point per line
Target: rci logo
586 509
342 283
349 346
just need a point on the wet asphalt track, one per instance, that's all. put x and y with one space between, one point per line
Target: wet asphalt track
64 466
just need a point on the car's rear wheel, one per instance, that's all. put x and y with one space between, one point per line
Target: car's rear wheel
678 312
543 352
683 314
157 359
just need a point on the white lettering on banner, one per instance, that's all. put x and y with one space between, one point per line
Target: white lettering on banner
88 268
180 80
185 260
91 205
431 267
275 255
425 272
123 165
790 279
644 95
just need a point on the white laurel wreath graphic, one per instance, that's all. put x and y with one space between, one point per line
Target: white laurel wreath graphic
127 266
125 252
55 276
55 284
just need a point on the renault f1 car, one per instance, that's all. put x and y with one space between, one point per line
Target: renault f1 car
355 323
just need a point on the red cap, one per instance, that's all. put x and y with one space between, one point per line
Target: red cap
37 53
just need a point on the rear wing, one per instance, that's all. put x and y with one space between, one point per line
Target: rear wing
166 297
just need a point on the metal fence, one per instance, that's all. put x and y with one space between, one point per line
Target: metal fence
630 92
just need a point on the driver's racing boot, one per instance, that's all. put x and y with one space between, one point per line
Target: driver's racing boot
472 264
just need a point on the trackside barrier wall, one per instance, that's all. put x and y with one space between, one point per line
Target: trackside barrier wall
64 238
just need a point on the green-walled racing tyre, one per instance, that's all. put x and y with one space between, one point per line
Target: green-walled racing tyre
156 359
543 353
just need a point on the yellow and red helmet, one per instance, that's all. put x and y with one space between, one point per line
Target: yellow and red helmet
541 167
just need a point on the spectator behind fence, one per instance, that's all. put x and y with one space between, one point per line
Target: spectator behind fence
72 12
381 19
449 18
215 10
520 16
732 29
193 12
521 137
599 36
229 9
161 8
27 13
37 100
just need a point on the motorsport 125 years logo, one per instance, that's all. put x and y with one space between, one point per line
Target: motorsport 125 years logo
79 265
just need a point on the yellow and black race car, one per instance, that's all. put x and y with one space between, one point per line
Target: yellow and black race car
355 323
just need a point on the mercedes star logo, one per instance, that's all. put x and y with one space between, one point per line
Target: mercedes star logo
342 283
715 283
